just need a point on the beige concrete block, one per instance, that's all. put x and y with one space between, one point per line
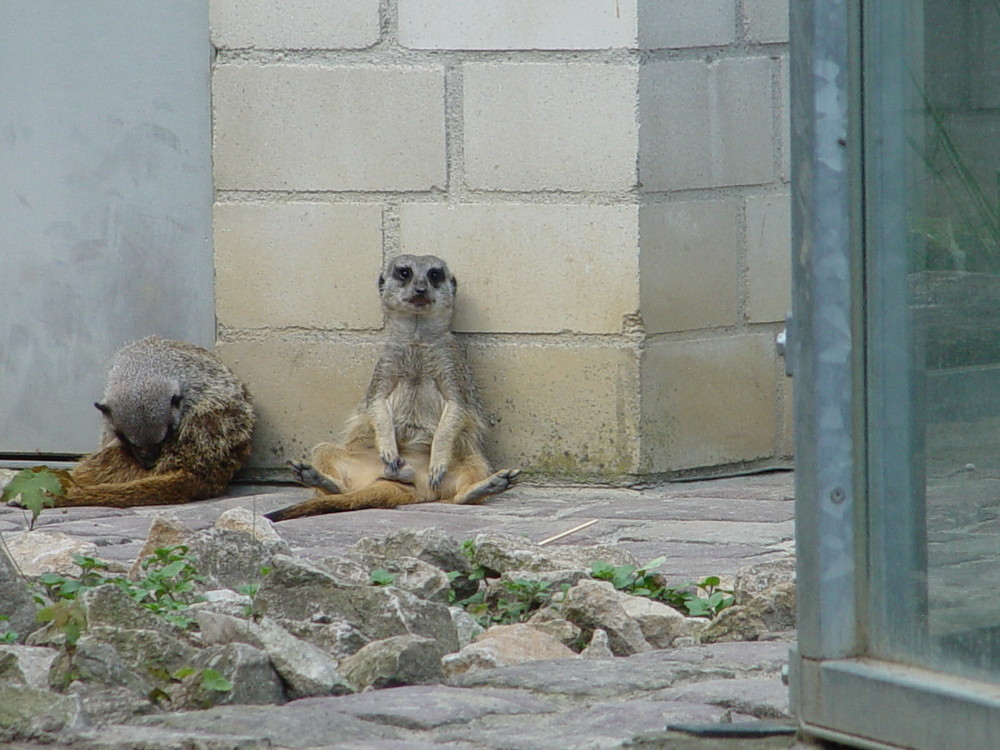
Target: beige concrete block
294 24
675 24
769 258
313 265
705 124
516 24
767 20
302 390
532 268
295 127
567 411
708 402
550 126
689 266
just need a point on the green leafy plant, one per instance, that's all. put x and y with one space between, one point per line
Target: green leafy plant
35 489
705 598
512 601
166 590
251 589
382 577
6 634
209 679
66 615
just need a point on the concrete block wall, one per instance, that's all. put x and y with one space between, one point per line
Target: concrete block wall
606 178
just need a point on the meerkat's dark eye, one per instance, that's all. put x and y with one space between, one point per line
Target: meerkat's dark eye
436 276
403 273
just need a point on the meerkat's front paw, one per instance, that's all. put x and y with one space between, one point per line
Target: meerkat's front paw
393 462
436 475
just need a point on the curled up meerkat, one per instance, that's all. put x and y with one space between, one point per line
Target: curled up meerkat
177 425
417 435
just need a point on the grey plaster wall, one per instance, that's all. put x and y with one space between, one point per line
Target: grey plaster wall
105 201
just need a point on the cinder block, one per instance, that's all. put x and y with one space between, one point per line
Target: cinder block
708 402
298 264
550 126
294 24
705 124
676 24
295 127
516 24
561 411
533 268
302 390
689 266
767 20
769 258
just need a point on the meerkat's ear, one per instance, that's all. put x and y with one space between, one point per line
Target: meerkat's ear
454 284
381 282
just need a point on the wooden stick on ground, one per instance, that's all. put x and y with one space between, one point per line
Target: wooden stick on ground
568 532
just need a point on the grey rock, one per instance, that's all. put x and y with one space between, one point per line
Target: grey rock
596 604
769 611
230 559
247 668
224 601
26 665
110 704
338 638
503 645
392 662
306 669
757 578
661 625
409 573
299 590
26 712
599 647
16 602
431 545
467 628
108 605
508 552
548 620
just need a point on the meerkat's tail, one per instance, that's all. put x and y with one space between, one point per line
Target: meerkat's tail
155 489
381 494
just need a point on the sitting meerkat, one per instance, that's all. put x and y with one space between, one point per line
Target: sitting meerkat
177 425
417 435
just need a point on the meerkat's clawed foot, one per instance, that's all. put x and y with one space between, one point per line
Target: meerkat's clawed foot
494 484
309 476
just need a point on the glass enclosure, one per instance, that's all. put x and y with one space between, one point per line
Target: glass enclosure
895 349
931 182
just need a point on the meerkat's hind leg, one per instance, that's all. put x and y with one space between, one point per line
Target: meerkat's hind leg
493 485
310 476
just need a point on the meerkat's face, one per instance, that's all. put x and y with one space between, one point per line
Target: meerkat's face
417 284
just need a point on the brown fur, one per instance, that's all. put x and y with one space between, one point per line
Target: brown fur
192 443
417 435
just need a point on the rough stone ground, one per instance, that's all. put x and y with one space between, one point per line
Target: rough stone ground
703 528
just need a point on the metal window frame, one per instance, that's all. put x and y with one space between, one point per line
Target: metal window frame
838 691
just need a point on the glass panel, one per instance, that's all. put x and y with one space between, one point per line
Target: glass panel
932 249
